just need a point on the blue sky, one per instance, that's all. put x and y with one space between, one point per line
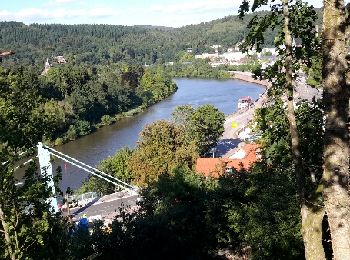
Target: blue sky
125 12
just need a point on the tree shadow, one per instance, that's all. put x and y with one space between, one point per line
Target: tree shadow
225 145
82 209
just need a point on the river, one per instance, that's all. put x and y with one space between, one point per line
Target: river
93 148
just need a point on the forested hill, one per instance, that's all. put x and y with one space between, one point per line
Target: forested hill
96 44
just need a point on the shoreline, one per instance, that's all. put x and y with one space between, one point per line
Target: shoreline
248 77
242 118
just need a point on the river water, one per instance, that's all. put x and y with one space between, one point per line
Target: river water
91 149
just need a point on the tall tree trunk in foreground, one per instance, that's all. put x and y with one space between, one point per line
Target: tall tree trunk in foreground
336 153
311 218
6 232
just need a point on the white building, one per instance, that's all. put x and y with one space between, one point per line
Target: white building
211 56
233 56
60 59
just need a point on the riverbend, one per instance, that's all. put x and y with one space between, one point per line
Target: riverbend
91 149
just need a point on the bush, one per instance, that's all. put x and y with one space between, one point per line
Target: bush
83 127
71 133
107 120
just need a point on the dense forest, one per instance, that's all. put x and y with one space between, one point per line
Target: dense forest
105 44
79 99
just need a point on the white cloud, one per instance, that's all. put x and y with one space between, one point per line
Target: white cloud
196 6
38 14
63 1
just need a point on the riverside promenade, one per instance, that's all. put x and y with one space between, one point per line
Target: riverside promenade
241 118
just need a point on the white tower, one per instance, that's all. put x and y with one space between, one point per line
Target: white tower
46 170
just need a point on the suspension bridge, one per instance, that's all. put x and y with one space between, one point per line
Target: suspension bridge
106 206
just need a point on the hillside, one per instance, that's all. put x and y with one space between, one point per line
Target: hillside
104 44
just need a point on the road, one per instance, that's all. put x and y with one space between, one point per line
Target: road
106 207
229 140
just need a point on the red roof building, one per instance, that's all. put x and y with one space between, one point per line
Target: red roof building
243 158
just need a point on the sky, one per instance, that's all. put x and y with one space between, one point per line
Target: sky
174 13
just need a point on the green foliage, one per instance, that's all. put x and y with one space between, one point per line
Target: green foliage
107 120
203 125
108 44
304 52
314 72
182 114
27 223
104 44
157 84
196 69
185 216
21 116
185 57
71 101
161 148
271 223
115 166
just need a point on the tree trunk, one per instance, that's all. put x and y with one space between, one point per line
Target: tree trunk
311 218
336 101
311 231
8 241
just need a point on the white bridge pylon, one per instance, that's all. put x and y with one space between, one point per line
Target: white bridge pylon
44 154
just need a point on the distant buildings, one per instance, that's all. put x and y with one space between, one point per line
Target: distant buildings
4 54
216 47
235 57
210 56
57 59
60 59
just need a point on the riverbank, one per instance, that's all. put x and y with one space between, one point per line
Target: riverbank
93 148
248 77
236 122
105 120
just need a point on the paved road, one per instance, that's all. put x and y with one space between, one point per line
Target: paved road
229 140
109 208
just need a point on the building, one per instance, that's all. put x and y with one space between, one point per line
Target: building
243 158
245 102
210 56
60 60
47 67
232 57
4 54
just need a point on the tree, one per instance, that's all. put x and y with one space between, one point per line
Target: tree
292 19
336 145
115 166
157 82
203 125
206 127
161 148
25 215
182 114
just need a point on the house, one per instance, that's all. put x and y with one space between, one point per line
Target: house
243 158
60 60
211 56
245 102
233 56
4 54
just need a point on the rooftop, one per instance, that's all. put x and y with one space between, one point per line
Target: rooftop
243 158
